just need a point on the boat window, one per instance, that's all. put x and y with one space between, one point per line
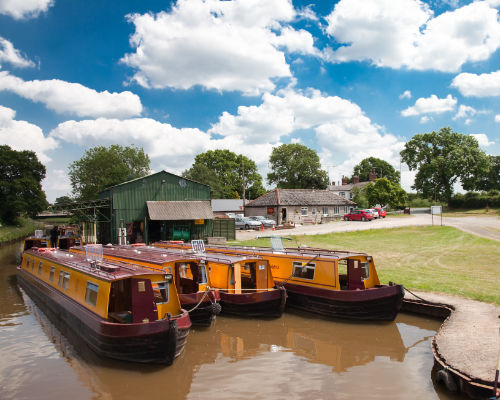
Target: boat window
303 270
40 268
91 293
52 272
365 270
183 271
202 278
33 265
61 274
28 259
65 282
160 290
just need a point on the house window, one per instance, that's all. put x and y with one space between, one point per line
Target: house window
346 209
303 211
336 210
40 268
52 272
325 210
91 293
303 270
342 194
313 212
160 291
350 195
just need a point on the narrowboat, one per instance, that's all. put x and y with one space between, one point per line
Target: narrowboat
121 311
332 283
190 277
38 240
68 237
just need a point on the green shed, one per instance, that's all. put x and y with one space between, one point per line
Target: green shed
161 206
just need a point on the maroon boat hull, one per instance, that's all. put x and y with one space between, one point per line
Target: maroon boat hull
153 342
379 303
270 304
205 312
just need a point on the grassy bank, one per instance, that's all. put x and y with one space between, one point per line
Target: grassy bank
489 212
26 226
441 259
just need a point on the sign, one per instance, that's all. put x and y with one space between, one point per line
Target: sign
199 221
436 210
270 210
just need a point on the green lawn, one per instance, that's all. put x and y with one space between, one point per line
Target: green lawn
441 259
468 213
26 227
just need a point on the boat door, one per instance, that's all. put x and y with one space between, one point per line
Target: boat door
354 275
143 306
261 277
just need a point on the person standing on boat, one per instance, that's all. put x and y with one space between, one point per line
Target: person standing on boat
54 234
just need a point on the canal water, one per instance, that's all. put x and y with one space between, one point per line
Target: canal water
297 356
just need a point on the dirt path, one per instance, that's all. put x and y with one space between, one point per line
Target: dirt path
487 227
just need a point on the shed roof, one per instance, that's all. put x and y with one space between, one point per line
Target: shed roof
179 210
299 197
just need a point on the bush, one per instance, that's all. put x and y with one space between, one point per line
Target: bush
474 200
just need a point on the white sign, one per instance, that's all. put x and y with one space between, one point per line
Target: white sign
436 210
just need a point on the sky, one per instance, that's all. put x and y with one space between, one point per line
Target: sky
350 78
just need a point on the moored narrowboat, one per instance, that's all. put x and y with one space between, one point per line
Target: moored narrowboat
121 311
327 282
190 276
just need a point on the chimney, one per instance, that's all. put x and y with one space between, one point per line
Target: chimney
355 179
373 175
344 180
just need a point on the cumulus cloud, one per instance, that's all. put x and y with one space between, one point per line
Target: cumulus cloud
406 34
429 105
405 95
221 45
465 111
73 98
483 85
11 55
482 139
497 118
19 9
21 135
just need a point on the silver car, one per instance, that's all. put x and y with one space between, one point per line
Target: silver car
374 212
264 221
246 223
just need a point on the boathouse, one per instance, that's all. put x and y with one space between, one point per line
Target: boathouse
161 206
300 206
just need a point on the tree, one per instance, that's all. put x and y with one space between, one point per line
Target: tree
383 192
102 167
20 184
442 158
63 200
295 166
382 169
359 197
491 180
222 170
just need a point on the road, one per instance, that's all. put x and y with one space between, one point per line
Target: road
487 227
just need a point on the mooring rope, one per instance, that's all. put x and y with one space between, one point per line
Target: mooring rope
207 289
427 301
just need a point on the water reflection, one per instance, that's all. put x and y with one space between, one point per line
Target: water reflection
294 357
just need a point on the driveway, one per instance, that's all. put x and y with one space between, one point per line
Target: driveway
487 227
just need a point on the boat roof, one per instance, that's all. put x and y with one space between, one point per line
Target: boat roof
109 270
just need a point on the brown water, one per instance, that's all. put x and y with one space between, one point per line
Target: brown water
295 357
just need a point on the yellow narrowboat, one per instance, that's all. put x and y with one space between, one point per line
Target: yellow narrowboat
120 311
327 282
190 277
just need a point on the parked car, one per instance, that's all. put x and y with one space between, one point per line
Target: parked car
246 223
358 215
381 212
374 212
264 221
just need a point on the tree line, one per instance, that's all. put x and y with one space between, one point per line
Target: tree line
441 160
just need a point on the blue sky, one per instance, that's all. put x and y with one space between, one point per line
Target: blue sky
349 78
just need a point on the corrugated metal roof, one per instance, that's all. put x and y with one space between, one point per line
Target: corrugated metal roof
299 197
179 210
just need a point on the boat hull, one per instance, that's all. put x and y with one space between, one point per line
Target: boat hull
157 342
205 312
379 303
268 304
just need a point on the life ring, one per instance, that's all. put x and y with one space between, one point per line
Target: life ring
444 376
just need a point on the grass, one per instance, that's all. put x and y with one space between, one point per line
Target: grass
25 227
55 220
440 259
468 213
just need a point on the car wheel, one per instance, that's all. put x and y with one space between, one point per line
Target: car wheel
363 219
346 218
246 226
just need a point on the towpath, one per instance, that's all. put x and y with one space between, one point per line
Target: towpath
484 226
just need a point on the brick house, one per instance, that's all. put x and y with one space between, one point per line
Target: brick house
299 206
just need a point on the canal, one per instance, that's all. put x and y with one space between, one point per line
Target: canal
297 356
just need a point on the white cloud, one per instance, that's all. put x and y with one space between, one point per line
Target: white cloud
465 111
74 98
483 85
405 95
19 9
431 104
221 45
424 119
497 118
307 13
21 135
11 55
405 34
482 139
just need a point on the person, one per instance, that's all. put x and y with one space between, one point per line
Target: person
54 234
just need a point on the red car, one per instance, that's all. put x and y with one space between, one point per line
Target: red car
358 215
381 212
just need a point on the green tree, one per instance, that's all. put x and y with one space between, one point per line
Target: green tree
442 158
20 184
359 197
222 170
382 169
63 200
102 167
491 180
383 192
295 166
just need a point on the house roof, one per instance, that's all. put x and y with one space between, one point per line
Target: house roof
227 205
299 197
348 187
179 210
